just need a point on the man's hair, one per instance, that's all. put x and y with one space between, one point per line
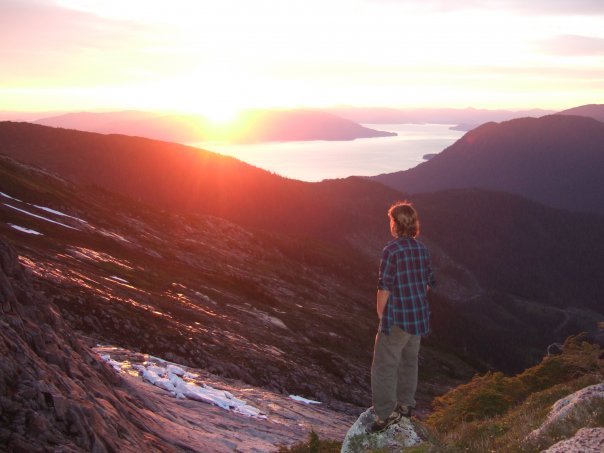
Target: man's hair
403 220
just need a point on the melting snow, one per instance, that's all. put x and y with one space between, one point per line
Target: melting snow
303 400
24 230
182 384
38 216
62 214
112 235
5 195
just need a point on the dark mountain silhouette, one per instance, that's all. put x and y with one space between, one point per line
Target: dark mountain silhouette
595 111
249 127
519 247
186 179
556 160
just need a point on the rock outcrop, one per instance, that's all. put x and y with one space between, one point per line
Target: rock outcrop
54 395
403 434
587 440
577 410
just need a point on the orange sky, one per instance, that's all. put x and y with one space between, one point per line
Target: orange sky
217 56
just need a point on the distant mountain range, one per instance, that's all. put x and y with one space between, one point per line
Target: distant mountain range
467 116
557 160
249 127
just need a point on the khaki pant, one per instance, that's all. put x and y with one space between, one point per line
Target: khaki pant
394 370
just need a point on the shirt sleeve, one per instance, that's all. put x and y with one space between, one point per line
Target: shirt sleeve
387 271
431 278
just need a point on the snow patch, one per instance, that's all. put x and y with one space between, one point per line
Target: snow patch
39 216
24 230
182 384
113 235
62 214
303 400
5 195
117 366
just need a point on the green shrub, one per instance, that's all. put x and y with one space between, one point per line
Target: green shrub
497 413
494 393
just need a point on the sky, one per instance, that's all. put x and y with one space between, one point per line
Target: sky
218 56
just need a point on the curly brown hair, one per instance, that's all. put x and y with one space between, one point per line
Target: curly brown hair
403 220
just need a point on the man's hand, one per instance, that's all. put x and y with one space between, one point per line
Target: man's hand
382 300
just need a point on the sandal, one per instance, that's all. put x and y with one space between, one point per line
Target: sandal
380 425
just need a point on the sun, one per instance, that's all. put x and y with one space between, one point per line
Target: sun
220 115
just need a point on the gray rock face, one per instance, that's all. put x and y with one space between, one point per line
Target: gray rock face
395 438
587 440
569 407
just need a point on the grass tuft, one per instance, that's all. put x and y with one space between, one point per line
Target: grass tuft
495 412
313 445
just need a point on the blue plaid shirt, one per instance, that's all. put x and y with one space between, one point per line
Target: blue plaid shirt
406 272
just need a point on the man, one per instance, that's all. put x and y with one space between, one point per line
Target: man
402 307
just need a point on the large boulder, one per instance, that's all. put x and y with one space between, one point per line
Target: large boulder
567 415
587 440
395 438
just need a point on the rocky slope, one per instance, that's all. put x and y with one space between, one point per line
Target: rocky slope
283 313
58 395
55 394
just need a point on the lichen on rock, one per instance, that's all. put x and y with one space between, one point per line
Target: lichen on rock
587 440
395 438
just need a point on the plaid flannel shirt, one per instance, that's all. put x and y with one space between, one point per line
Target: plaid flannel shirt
406 272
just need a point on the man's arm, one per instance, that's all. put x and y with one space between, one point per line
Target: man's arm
385 281
382 300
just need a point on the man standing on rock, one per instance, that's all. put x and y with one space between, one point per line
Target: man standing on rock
402 307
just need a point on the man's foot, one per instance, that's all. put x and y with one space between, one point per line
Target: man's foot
404 411
381 425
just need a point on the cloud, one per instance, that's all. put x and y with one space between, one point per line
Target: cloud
573 45
45 44
539 7
37 25
555 7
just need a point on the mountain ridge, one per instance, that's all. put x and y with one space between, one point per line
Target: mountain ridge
556 160
595 111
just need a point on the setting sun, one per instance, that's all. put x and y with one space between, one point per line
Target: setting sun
221 57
